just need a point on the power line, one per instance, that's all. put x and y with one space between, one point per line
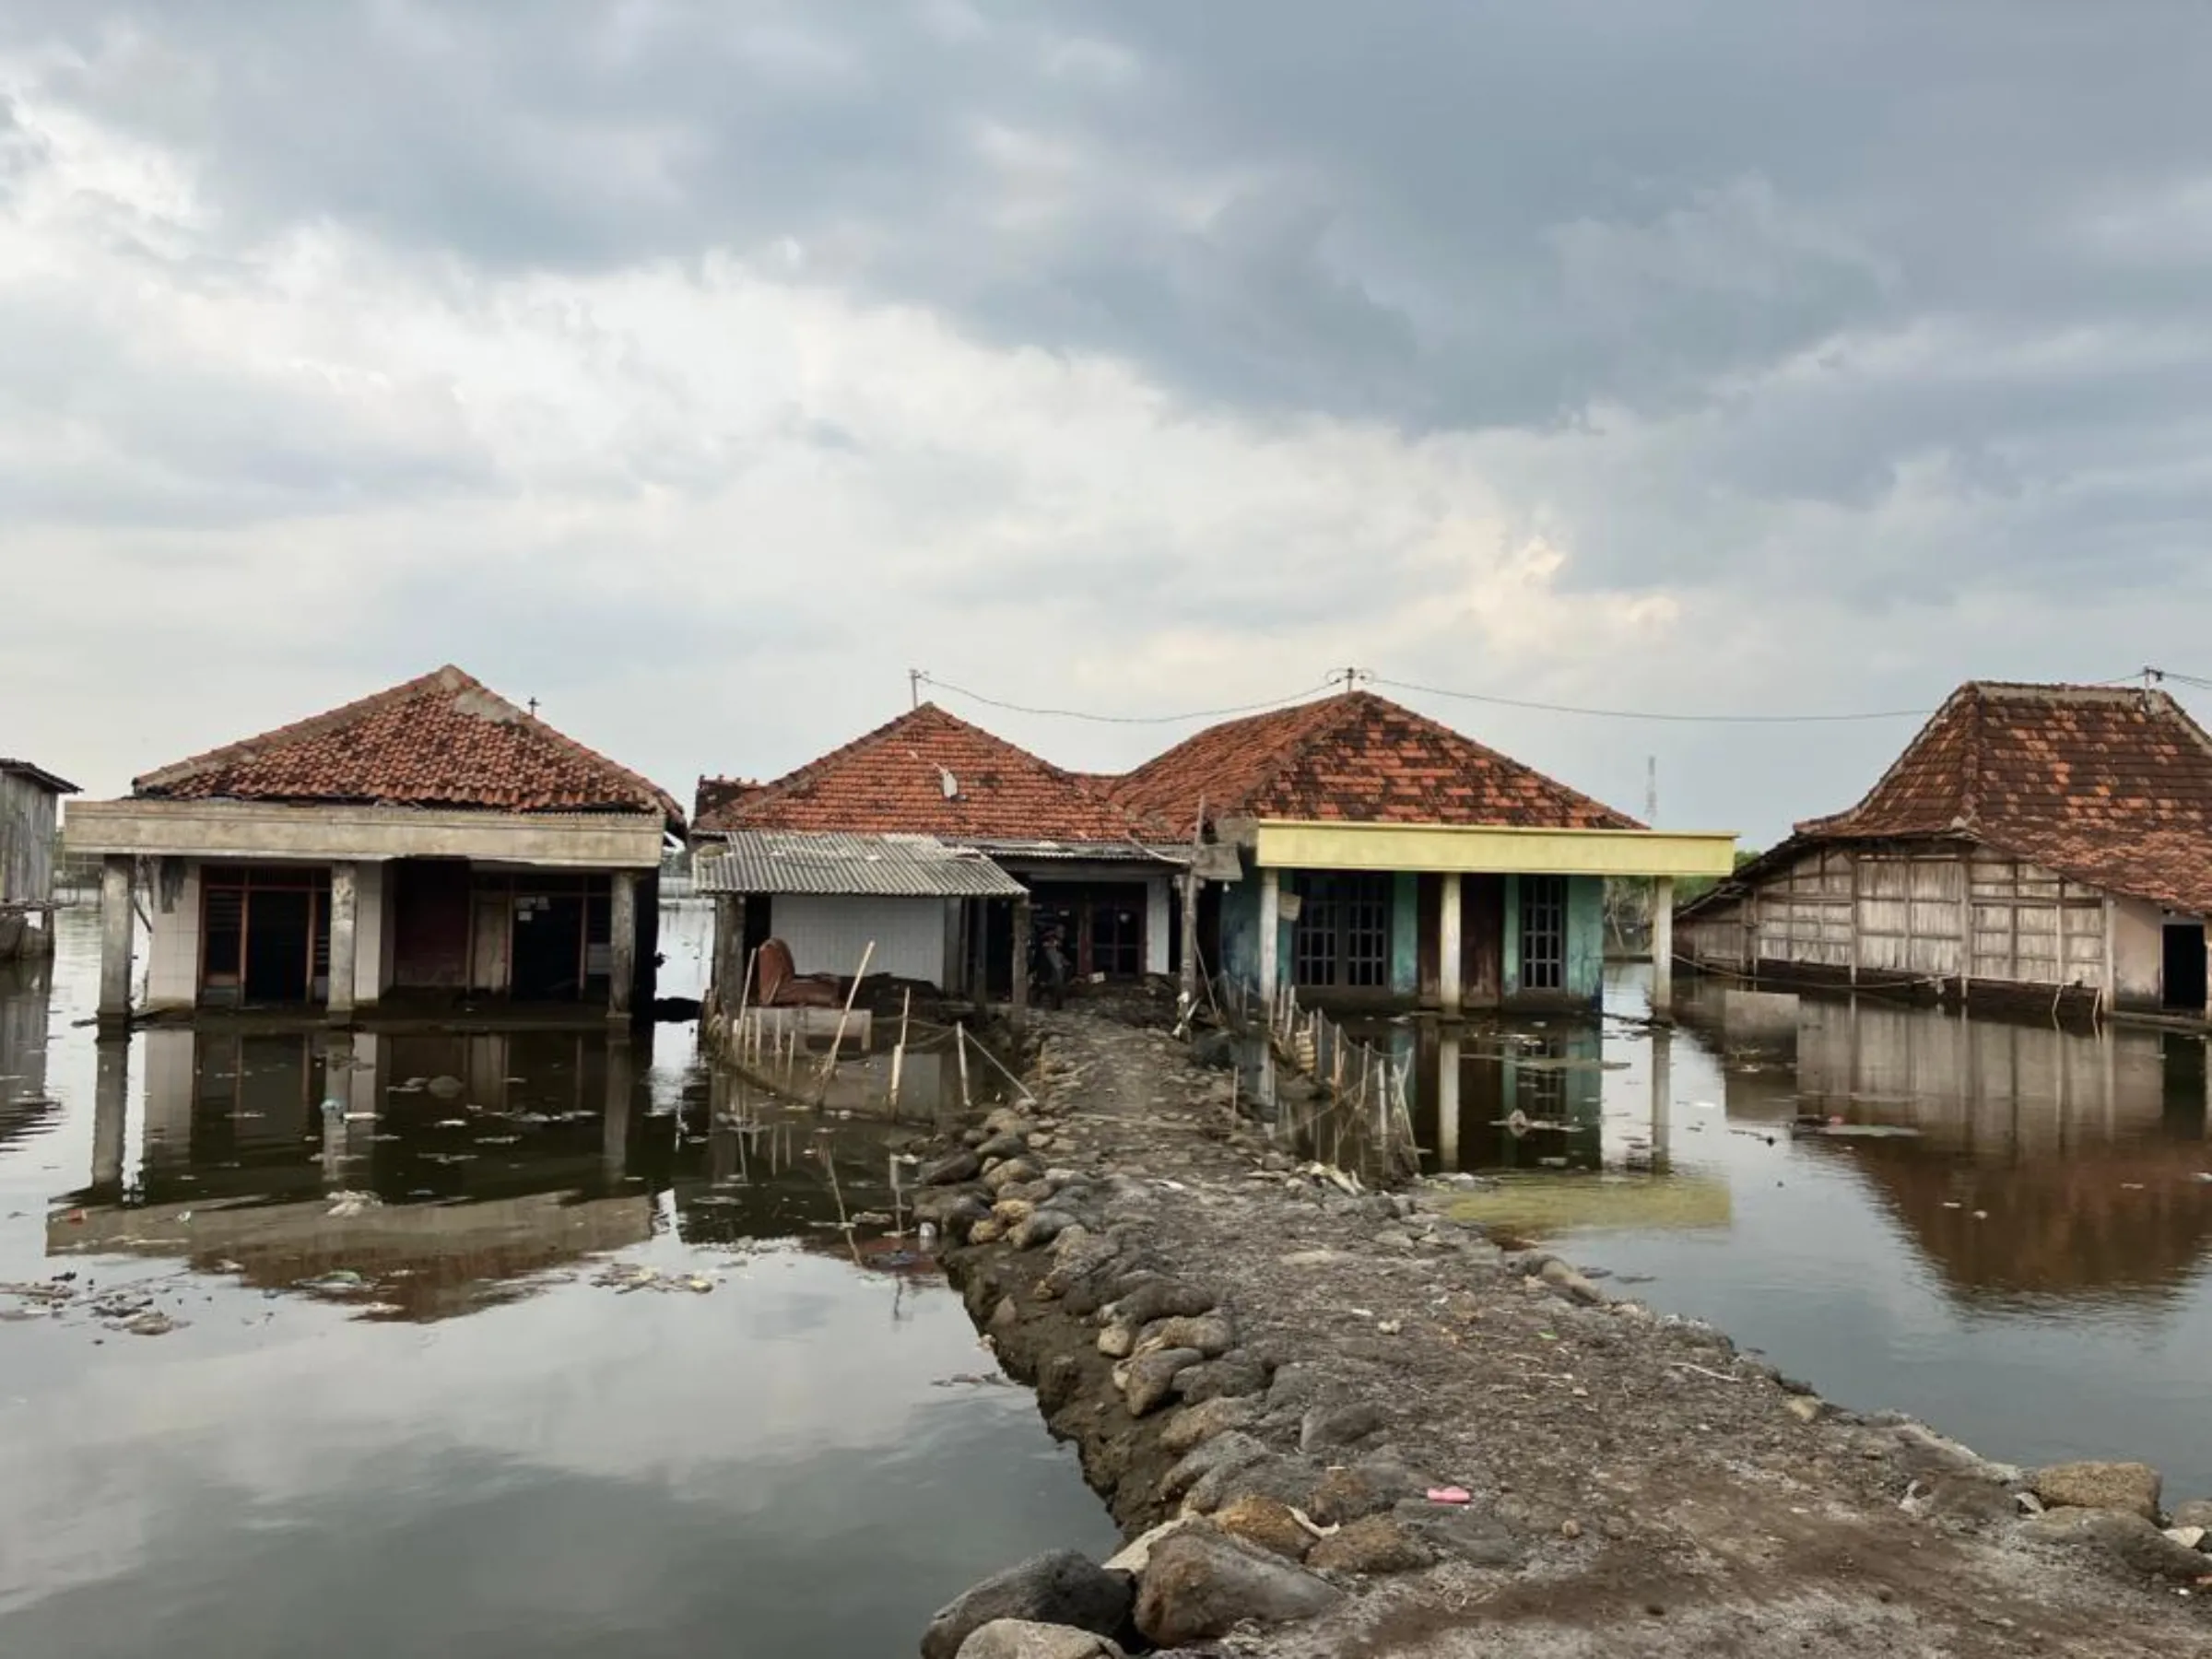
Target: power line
1552 708
1347 680
1014 708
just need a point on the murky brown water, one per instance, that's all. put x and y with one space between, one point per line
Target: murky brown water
2008 1231
508 1351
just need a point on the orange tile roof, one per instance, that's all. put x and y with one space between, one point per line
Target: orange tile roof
443 740
2111 785
929 772
1355 758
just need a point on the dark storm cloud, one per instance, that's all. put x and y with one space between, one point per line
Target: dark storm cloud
1446 215
1683 239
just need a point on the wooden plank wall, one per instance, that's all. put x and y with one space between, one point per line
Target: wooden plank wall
27 818
1926 910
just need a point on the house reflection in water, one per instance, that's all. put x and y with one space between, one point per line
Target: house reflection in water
445 1167
2046 1161
26 1109
1500 1096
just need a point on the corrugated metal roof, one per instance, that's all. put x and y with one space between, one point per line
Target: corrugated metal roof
1123 851
883 866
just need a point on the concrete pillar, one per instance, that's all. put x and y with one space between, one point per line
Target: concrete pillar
622 938
1188 985
1663 949
1156 925
1663 1096
116 923
621 1083
1451 957
1447 1100
956 946
343 904
2108 994
1017 1006
110 1114
730 963
1271 932
337 1102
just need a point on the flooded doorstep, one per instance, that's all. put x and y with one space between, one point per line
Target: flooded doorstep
539 1364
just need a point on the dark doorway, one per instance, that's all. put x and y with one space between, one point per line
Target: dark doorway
262 934
2183 980
549 964
1482 938
280 944
430 923
1101 925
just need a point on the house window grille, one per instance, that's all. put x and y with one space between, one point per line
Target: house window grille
1543 933
1342 938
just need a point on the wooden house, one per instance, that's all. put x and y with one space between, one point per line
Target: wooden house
30 797
2036 844
1376 855
432 841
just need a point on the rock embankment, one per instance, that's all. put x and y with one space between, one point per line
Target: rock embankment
1339 1423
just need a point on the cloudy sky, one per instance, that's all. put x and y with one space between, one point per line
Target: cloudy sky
697 369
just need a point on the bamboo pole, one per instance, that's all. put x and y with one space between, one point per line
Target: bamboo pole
906 1008
960 1034
999 1066
836 1038
745 995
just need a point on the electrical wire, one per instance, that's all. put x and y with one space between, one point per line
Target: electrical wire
1014 708
1551 708
1343 678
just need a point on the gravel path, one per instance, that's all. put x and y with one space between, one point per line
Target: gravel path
1643 1488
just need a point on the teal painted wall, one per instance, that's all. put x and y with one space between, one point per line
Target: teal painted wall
1406 934
1586 936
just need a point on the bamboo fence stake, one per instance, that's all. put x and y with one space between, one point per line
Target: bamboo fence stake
836 1038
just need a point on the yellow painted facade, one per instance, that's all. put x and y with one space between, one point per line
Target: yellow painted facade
1284 844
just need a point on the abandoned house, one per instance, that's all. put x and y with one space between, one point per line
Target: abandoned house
30 797
945 846
2036 844
1383 857
432 841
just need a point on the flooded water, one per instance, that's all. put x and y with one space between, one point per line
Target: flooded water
510 1351
2005 1229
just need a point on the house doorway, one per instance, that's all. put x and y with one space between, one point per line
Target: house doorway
1101 925
430 923
549 964
264 938
2183 983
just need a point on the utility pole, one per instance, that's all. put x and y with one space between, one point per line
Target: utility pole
915 676
1650 791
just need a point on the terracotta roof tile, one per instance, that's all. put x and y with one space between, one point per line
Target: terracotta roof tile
929 772
1356 758
443 740
2110 785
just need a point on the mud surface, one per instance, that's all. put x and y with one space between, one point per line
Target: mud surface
1637 1486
